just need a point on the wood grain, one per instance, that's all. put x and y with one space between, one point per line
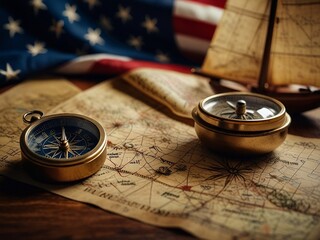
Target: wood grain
27 212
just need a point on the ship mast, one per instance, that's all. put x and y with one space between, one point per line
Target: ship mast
267 49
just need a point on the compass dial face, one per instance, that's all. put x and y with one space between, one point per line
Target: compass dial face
242 112
241 107
63 138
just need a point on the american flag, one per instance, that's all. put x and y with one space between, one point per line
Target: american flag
103 37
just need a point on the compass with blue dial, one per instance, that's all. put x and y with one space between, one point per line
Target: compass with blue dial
63 139
68 144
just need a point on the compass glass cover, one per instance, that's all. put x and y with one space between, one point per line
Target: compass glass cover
63 138
243 107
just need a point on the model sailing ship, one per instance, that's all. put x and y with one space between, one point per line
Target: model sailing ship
270 47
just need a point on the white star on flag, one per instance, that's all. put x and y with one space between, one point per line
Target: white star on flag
105 22
92 3
70 13
150 24
162 57
124 14
13 27
36 49
136 42
38 5
93 36
9 72
57 27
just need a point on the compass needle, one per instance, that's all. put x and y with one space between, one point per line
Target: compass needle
66 153
51 146
77 147
63 134
232 105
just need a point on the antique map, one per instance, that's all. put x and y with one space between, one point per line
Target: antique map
158 172
180 92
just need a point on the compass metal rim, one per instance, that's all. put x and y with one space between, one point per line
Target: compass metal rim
71 169
239 124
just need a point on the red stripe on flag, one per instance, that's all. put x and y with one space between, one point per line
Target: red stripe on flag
193 28
107 66
216 3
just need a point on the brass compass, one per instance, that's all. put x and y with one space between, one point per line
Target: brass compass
241 123
62 147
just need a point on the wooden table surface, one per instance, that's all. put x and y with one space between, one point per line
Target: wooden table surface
27 212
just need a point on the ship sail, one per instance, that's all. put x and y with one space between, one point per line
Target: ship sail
238 45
